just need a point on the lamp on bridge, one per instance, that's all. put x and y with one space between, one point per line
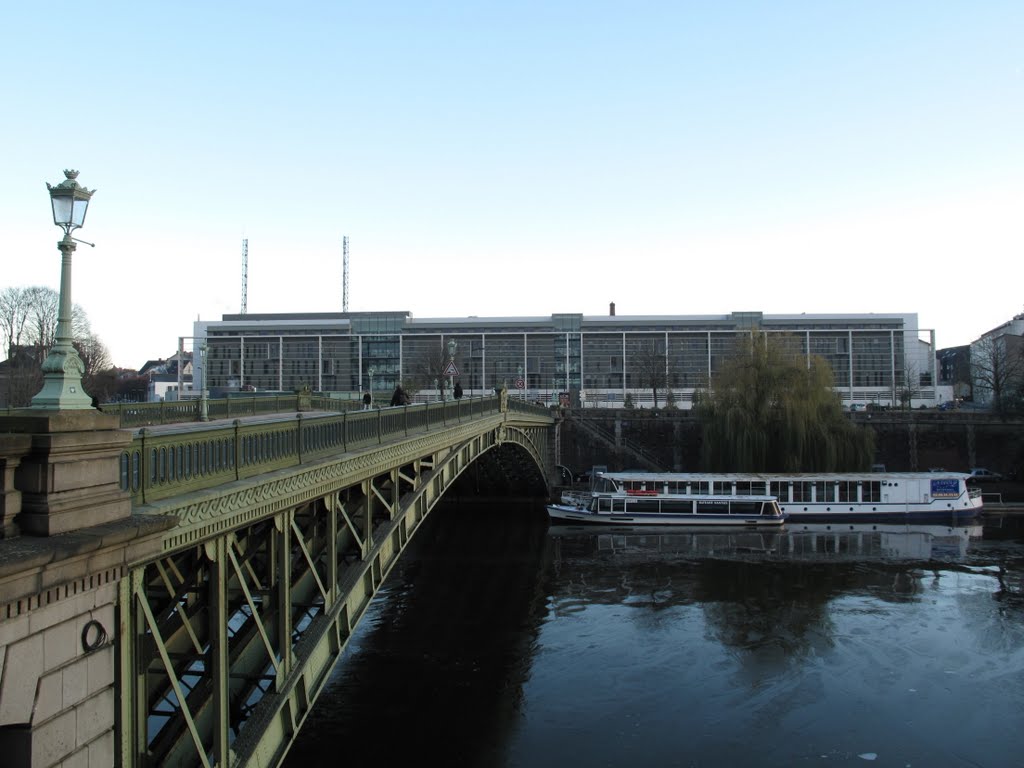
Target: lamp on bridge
452 347
204 408
63 368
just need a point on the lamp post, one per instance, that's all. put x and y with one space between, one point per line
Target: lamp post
63 368
371 372
452 347
204 408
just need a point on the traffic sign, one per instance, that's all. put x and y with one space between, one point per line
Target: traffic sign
520 383
451 370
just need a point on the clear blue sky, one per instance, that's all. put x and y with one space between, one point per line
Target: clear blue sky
519 158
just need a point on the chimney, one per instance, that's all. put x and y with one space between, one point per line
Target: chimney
611 309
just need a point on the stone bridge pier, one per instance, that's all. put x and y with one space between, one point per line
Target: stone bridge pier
68 536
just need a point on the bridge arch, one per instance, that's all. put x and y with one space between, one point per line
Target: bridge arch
260 586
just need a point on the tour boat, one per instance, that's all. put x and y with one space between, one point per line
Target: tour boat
868 497
608 505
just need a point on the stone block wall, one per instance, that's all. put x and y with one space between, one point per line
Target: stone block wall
57 698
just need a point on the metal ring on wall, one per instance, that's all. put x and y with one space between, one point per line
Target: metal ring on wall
94 636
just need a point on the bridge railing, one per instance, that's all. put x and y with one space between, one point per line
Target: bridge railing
165 462
185 411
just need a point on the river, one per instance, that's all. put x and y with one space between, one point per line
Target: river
499 642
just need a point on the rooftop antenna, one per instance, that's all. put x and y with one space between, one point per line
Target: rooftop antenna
344 273
245 273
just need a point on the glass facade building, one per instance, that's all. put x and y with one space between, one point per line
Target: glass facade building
591 360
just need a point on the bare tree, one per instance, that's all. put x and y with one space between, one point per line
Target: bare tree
42 309
13 317
909 385
425 366
997 364
28 320
648 361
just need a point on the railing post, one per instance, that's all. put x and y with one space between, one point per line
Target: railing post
142 465
298 435
238 449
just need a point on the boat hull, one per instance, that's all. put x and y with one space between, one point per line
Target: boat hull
902 515
560 513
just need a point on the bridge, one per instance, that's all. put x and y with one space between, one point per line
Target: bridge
178 593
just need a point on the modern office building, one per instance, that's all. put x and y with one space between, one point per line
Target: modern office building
593 360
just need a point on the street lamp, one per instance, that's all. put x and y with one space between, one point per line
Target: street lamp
63 368
204 412
452 347
371 372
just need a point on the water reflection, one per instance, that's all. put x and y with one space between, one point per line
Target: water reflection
803 541
779 648
503 642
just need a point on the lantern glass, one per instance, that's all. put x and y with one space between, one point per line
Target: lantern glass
69 210
78 211
62 209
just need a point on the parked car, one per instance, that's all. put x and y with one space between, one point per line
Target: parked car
982 475
949 405
858 407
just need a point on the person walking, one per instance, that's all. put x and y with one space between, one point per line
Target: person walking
367 401
458 390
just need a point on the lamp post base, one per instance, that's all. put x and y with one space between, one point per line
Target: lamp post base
62 382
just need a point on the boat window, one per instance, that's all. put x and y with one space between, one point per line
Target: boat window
802 490
647 505
722 488
819 491
780 490
847 490
872 491
676 486
676 506
745 508
700 487
712 507
750 488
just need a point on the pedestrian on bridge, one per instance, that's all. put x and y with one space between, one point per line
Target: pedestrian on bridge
367 401
399 396
458 390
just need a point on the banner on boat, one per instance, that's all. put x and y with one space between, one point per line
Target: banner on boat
945 488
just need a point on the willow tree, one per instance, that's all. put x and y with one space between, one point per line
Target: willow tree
770 409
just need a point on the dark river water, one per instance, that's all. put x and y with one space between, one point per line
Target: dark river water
500 642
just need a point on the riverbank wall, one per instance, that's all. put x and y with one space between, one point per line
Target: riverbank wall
905 441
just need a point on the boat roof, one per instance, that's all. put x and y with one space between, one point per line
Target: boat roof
663 476
698 496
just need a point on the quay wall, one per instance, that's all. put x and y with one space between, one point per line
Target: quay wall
904 441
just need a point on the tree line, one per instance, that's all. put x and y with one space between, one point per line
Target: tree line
28 322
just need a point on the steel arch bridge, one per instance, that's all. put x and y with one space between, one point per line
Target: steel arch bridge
226 639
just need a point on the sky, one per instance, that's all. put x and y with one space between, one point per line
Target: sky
518 159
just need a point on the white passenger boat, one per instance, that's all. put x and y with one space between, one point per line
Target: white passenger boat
612 505
869 497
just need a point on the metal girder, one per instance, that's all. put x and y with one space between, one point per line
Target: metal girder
225 646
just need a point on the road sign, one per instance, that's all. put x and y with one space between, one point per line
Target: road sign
520 383
451 370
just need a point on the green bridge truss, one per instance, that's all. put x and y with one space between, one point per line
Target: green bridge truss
287 528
